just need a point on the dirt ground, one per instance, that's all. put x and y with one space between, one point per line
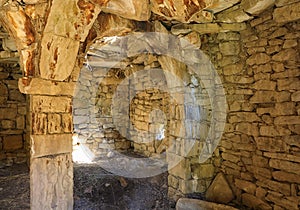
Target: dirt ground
94 188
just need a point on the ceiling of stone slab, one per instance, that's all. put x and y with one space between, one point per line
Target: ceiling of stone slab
184 11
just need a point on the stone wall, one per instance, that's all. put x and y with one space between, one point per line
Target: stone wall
13 146
138 97
258 64
260 147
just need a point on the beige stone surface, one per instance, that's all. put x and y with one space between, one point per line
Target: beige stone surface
218 6
51 182
273 131
287 13
270 144
230 48
280 187
233 15
260 58
13 142
282 156
45 145
57 63
72 19
175 67
37 86
280 3
247 186
286 177
181 10
39 123
202 171
254 202
51 104
270 97
255 7
219 191
130 9
19 24
287 120
285 166
113 25
276 198
193 204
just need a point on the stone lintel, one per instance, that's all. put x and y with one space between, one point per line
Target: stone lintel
45 145
38 86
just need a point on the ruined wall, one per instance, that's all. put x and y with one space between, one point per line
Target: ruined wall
12 117
260 147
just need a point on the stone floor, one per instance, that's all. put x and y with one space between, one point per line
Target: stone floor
94 189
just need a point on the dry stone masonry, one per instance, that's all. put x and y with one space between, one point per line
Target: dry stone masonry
13 108
253 45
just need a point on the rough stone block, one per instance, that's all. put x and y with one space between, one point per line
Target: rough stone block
13 142
39 123
60 63
178 166
37 86
219 6
288 84
287 120
219 191
270 144
286 55
287 13
7 124
283 156
255 7
280 187
193 204
280 201
72 19
284 165
260 161
286 177
230 157
254 202
49 104
233 69
280 3
270 97
233 15
54 123
273 131
202 171
248 128
230 48
258 59
243 117
47 172
247 186
134 9
67 123
183 11
44 145
264 85
8 113
296 96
